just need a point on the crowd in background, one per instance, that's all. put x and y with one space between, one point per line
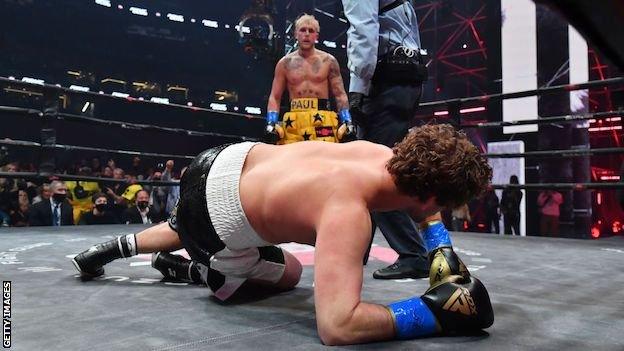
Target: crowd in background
53 202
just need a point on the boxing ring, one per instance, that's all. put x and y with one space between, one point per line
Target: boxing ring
547 293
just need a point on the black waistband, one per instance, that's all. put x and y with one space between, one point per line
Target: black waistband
392 5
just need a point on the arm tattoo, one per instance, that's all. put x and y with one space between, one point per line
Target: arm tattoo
337 86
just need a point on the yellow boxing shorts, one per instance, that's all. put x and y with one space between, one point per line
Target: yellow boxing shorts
309 119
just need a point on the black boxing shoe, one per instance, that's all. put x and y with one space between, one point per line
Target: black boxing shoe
177 268
90 263
400 270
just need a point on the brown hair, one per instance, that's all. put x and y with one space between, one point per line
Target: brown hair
437 160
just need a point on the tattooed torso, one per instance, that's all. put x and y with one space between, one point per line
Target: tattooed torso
310 77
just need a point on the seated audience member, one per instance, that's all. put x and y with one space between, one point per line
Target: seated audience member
20 210
43 193
80 193
141 213
101 213
55 211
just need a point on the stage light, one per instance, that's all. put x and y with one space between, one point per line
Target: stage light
177 94
33 80
118 94
329 44
253 110
113 84
595 232
106 3
243 29
599 198
159 100
85 107
616 226
211 24
175 18
138 11
78 88
218 107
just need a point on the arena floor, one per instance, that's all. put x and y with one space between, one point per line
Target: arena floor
548 294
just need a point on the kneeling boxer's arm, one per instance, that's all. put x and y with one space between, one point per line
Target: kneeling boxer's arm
342 238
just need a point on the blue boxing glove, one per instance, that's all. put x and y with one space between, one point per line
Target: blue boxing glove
456 305
273 131
346 129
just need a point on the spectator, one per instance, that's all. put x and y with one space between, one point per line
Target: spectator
100 214
492 211
510 206
137 169
96 167
121 195
461 218
158 198
55 211
43 193
111 164
174 191
141 213
19 213
80 193
107 172
548 202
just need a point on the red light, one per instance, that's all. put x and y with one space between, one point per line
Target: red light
481 225
595 232
599 198
465 225
617 227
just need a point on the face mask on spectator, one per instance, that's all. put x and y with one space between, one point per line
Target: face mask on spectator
101 207
58 198
142 204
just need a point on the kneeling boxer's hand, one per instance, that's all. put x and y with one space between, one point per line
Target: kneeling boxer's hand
445 262
458 305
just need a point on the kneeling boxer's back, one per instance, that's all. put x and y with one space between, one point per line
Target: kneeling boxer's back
284 188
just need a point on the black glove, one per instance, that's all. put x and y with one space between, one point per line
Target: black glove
355 104
456 305
460 304
445 262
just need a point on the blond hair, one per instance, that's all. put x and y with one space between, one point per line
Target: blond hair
305 18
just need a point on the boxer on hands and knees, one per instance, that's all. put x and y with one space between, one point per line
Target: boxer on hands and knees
310 75
233 210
